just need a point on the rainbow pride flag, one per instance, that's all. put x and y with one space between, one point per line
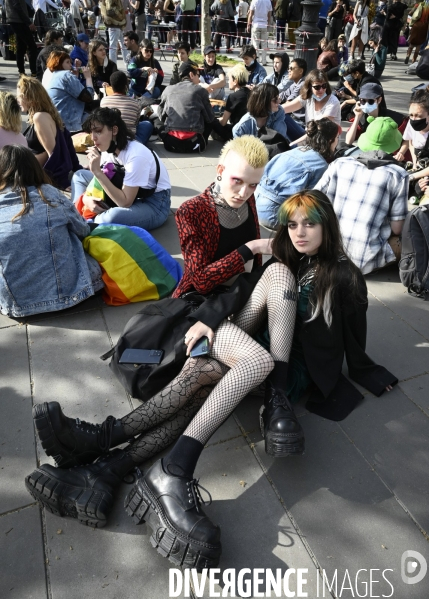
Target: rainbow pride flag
135 266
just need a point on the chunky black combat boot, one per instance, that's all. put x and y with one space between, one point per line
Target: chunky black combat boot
171 506
71 441
82 492
280 428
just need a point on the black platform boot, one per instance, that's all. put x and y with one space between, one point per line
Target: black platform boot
171 506
71 441
83 492
280 428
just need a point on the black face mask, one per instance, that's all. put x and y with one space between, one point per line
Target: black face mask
418 124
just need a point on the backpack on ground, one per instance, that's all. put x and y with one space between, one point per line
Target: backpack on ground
414 263
161 325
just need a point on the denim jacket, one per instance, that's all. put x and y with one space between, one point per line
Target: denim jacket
290 172
285 82
247 124
43 266
257 75
64 89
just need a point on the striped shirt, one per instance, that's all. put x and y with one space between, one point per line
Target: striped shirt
130 109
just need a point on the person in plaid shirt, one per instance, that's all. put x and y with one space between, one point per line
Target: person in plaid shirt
369 194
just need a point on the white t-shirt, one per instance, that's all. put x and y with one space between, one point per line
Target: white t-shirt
261 8
331 108
140 167
243 9
418 139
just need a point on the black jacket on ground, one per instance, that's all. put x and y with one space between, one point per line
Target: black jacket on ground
333 397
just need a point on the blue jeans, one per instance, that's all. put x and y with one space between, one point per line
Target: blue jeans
144 131
267 212
148 214
294 129
149 19
156 92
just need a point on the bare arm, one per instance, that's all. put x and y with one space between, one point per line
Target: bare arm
396 226
225 118
352 132
292 106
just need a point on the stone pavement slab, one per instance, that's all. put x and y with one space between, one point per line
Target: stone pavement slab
22 555
17 445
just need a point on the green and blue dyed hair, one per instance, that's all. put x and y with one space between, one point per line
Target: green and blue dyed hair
317 208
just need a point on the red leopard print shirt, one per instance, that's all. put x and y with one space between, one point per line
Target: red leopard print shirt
199 232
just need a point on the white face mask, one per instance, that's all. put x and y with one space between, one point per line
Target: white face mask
368 108
317 99
250 63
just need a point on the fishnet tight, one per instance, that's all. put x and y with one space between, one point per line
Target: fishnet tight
150 443
196 373
249 363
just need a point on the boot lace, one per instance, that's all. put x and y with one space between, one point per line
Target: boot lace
279 399
104 431
194 493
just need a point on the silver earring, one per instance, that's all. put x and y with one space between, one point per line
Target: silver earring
219 178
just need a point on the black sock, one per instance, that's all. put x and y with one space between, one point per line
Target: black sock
183 458
277 377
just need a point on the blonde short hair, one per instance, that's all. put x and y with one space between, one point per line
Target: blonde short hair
252 149
240 74
10 113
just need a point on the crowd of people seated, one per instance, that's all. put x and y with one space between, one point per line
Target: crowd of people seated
335 209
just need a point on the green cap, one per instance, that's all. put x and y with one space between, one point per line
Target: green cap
382 134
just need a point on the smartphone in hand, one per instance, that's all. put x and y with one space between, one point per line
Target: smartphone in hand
201 348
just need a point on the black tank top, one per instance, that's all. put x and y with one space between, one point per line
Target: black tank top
231 239
33 141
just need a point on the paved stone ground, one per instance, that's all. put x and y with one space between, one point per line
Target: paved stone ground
355 501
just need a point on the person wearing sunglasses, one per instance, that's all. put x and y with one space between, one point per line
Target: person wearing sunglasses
145 72
296 73
370 105
317 99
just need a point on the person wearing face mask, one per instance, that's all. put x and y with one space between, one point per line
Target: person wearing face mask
280 75
354 76
317 99
416 133
257 73
370 105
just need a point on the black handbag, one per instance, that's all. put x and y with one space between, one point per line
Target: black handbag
118 181
160 325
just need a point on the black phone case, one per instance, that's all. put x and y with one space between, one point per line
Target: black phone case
141 356
201 348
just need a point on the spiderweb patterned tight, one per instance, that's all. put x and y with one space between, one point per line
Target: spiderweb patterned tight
196 373
249 363
150 443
